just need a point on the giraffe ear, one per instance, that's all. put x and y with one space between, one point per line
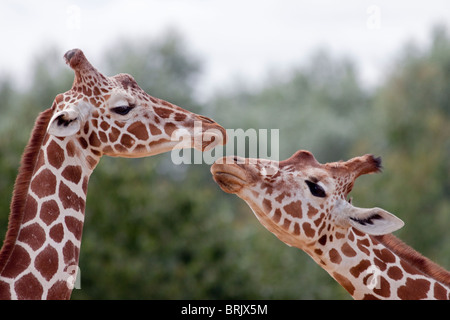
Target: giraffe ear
68 121
374 221
64 123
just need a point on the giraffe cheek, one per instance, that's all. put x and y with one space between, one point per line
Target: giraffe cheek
114 134
267 205
309 231
93 140
103 137
127 141
169 128
139 130
108 150
154 130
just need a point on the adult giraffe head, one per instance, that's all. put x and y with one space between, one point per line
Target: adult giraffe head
113 116
98 116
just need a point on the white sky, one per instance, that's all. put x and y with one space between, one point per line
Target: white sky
234 37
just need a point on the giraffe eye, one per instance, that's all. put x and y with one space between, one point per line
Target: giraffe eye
315 189
122 110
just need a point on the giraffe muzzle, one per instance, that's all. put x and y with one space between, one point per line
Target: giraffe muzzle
209 134
227 173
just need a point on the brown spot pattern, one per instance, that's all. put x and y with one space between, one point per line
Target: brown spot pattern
55 155
33 235
311 211
154 130
47 262
69 199
162 112
139 130
93 140
385 255
49 211
267 205
414 289
395 273
59 290
57 232
75 226
70 253
18 262
359 268
335 257
28 287
309 232
30 209
347 250
72 173
294 209
382 286
44 184
439 292
296 229
277 216
5 293
169 128
127 141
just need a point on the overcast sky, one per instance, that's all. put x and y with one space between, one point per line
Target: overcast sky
234 37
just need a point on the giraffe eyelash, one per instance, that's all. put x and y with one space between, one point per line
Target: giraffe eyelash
316 190
123 110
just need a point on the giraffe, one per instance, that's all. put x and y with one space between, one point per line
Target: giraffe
304 203
98 116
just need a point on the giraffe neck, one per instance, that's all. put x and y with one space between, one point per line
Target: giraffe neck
41 251
379 267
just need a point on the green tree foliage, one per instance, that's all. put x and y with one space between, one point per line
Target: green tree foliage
318 107
156 230
163 67
413 114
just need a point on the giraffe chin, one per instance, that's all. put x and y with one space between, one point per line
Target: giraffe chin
227 182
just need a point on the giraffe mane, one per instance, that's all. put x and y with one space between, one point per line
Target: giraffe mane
414 258
22 183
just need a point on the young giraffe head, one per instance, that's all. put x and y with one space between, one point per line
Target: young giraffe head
299 199
114 116
304 203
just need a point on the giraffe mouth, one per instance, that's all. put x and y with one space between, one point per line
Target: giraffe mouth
207 133
209 140
230 177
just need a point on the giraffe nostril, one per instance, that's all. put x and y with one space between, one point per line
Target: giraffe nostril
235 159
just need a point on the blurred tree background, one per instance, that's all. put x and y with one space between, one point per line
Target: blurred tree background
155 230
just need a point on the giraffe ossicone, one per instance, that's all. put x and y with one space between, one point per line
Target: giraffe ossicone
305 204
98 116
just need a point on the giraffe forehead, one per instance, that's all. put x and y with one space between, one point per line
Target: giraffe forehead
286 186
99 95
117 96
102 92
287 177
316 175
